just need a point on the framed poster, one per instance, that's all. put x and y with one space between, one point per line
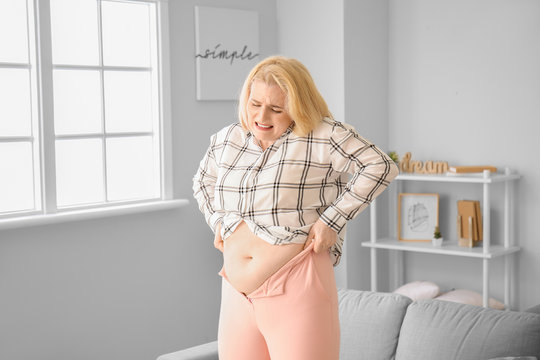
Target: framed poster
418 214
226 49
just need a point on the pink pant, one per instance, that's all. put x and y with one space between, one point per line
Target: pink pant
293 315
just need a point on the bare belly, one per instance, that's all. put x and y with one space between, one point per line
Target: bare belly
249 260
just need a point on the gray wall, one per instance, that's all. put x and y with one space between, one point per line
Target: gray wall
465 87
127 287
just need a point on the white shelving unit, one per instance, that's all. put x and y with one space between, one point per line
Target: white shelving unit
486 252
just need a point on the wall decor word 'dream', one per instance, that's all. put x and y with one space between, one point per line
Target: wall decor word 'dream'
227 47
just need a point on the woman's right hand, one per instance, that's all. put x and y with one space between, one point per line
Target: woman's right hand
218 241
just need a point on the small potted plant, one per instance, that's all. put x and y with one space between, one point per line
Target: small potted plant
394 156
437 237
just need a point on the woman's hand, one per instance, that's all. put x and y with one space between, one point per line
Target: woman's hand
323 236
218 241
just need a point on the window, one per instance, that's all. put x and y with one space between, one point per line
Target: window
81 105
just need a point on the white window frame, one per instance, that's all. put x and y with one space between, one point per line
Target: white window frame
49 213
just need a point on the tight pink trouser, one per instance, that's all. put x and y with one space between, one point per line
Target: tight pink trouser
293 315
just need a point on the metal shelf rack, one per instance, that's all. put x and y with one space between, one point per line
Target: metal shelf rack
486 252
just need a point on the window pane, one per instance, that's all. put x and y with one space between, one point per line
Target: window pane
131 168
77 102
15 102
13 34
16 177
126 34
128 101
74 32
79 171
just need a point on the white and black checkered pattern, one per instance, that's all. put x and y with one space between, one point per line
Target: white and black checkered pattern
282 191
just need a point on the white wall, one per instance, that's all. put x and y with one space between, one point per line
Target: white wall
465 87
312 32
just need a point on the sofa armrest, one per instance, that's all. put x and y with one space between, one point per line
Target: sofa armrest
208 351
534 309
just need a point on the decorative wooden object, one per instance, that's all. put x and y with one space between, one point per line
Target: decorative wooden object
469 222
406 165
465 241
471 169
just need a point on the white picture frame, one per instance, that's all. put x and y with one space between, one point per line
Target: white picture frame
418 214
226 49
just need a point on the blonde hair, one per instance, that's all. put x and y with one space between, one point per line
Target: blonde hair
305 104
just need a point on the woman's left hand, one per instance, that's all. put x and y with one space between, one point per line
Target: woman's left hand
323 236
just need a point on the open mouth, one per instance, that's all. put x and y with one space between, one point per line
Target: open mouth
263 127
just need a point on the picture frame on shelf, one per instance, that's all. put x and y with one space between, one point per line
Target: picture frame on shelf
418 214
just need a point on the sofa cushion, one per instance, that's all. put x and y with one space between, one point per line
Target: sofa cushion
464 296
534 309
434 329
418 290
369 323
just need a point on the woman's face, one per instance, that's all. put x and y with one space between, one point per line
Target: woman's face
266 115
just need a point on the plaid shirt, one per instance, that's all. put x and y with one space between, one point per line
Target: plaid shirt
282 191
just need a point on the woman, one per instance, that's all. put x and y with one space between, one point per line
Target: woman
273 188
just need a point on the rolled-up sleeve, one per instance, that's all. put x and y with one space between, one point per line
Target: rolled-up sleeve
372 171
204 183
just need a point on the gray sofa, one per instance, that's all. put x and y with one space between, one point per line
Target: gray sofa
391 326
